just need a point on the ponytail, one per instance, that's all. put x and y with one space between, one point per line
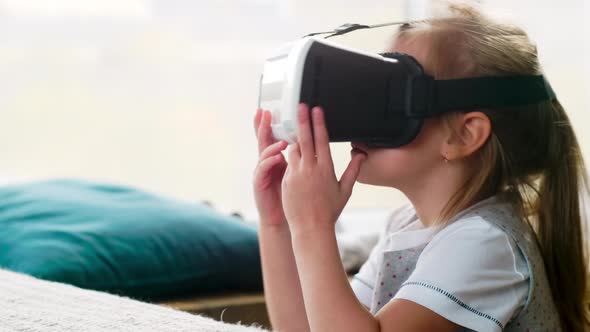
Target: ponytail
560 226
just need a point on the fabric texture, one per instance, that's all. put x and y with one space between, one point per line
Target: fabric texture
124 240
33 305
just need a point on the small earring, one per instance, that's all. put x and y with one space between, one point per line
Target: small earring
445 158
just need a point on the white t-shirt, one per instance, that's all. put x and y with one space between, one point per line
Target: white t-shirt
471 260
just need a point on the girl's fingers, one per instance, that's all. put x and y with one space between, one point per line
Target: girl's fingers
273 149
350 174
294 154
304 134
257 118
320 133
264 132
267 164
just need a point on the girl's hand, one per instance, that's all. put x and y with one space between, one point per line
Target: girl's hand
313 197
269 172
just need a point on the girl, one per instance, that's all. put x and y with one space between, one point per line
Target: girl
493 238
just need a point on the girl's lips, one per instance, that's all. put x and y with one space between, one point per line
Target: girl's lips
357 147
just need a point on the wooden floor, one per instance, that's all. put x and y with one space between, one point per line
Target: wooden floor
247 308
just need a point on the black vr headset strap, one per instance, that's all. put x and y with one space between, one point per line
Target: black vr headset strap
349 27
429 97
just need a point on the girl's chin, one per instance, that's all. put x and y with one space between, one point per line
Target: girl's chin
365 177
362 178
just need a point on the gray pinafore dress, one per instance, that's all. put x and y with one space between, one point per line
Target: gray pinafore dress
539 312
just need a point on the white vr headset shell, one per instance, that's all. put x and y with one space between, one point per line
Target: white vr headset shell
282 79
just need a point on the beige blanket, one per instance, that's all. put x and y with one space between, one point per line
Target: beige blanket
29 304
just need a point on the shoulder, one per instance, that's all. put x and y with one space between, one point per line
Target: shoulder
473 231
472 244
472 273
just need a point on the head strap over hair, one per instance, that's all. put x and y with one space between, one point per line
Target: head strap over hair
430 97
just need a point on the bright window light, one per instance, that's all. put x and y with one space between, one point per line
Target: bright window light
127 8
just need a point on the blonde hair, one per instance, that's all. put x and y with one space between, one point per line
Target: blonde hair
532 157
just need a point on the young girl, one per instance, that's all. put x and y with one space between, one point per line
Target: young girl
493 239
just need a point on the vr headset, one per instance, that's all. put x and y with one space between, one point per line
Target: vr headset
381 99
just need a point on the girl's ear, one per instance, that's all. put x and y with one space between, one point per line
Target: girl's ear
469 133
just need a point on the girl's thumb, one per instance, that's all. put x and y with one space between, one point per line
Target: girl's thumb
351 173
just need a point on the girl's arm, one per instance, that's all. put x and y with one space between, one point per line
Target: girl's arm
281 282
331 304
313 198
282 289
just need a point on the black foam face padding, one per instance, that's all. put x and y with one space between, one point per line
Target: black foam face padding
363 98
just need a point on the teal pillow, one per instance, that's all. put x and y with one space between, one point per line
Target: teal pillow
123 240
